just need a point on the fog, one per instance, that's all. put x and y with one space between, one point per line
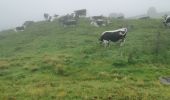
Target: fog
15 12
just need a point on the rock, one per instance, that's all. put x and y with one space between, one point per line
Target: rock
165 80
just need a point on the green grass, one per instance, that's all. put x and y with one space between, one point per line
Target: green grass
48 62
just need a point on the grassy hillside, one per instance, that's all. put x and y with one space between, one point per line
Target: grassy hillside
48 61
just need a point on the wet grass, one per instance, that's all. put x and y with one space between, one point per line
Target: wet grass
48 61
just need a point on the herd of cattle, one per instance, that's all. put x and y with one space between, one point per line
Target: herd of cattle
22 28
70 19
105 38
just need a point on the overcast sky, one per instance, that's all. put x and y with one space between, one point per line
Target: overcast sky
15 12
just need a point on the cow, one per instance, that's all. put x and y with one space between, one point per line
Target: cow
46 16
97 17
166 21
55 17
114 36
49 18
99 21
68 20
19 28
94 23
28 23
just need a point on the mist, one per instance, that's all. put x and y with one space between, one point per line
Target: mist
15 12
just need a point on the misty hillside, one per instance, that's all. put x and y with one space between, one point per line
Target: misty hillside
50 62
158 15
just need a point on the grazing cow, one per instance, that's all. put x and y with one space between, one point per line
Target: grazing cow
49 18
28 23
19 28
99 21
46 16
55 17
94 23
97 17
166 20
113 36
68 20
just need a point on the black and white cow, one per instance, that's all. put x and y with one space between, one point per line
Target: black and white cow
55 17
46 16
99 21
28 23
68 20
19 28
114 36
49 18
166 20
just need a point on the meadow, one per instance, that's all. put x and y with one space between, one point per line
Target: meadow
50 62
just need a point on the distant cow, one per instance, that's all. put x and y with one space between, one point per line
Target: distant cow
114 36
166 20
99 21
49 18
28 23
68 20
97 17
19 28
46 16
54 17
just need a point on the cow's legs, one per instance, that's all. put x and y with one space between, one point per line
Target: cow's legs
122 42
106 43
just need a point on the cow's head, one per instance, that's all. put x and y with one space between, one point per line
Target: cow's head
123 31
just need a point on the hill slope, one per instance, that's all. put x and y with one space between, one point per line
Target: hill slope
48 61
